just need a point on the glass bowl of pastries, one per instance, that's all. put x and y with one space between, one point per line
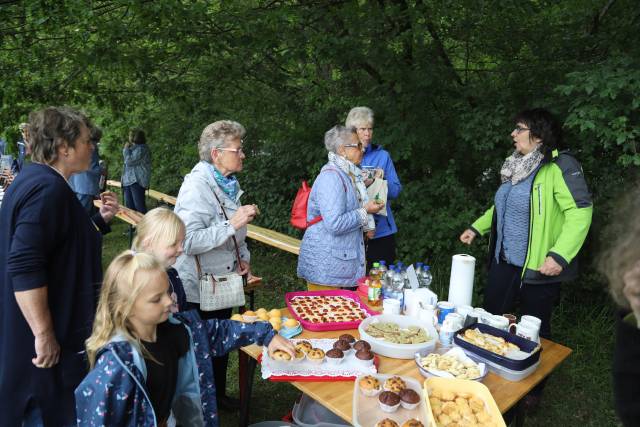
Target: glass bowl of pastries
450 363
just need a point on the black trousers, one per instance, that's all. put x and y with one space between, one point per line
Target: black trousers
219 363
382 248
505 290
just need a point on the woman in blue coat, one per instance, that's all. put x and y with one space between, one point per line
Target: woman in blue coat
150 366
382 244
50 272
339 212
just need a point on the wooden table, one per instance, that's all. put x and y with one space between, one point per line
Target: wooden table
338 396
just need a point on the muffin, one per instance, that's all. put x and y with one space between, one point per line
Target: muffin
348 338
344 346
387 422
412 423
291 323
389 401
237 317
335 356
361 345
300 355
281 356
364 357
315 355
275 313
409 399
303 346
369 386
395 384
249 316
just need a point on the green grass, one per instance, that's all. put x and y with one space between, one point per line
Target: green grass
579 393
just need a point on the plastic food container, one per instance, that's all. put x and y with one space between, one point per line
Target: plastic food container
507 374
512 364
328 326
310 413
443 350
464 386
367 411
399 351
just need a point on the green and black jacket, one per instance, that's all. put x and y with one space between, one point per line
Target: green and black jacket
559 220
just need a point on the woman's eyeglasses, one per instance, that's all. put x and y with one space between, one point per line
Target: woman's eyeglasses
234 150
520 129
358 145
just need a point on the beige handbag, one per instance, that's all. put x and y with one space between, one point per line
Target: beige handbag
223 291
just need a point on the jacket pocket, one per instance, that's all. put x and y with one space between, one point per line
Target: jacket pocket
344 264
344 254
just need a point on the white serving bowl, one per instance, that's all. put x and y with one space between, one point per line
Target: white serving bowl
393 350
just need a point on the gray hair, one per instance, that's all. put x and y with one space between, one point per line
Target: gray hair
50 128
23 126
216 134
337 136
359 116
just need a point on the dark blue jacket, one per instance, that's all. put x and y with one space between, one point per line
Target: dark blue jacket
115 392
46 239
377 157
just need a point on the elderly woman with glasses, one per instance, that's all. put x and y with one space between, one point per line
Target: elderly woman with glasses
209 205
377 162
339 213
539 221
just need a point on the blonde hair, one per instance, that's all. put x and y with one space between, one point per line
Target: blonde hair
359 116
122 285
159 225
623 250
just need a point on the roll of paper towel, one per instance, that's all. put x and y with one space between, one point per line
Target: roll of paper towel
461 282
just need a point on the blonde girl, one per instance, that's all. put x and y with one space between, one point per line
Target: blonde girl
161 233
149 364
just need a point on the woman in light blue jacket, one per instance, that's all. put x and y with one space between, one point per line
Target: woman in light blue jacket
339 213
136 172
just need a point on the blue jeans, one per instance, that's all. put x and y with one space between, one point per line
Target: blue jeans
134 197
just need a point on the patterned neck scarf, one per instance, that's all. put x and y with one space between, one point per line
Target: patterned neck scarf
518 167
229 184
356 175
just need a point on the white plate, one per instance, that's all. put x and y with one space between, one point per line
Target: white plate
393 350
428 373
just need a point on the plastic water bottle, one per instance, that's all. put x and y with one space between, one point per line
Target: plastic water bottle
387 284
426 277
383 270
418 267
405 279
398 285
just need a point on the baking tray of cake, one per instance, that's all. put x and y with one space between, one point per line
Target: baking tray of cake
328 310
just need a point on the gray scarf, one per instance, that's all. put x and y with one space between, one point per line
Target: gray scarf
518 167
356 175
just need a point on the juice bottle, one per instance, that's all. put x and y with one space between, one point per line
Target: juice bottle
375 286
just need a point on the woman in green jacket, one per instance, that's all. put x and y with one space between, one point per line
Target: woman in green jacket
538 223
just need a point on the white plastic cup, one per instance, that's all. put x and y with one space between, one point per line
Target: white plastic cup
456 320
533 320
464 311
390 306
499 322
527 331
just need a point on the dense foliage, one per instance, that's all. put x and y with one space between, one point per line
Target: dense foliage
444 78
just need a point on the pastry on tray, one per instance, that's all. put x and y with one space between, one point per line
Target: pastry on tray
389 401
412 423
304 346
369 386
342 345
409 399
361 345
348 338
395 384
365 357
387 422
327 308
335 356
281 355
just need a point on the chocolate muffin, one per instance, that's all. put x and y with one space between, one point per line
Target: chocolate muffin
387 422
389 398
335 353
361 345
348 338
342 345
364 355
409 396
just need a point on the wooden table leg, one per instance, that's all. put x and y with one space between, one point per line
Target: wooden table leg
247 367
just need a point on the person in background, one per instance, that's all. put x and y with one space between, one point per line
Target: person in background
209 195
161 233
377 162
620 263
539 221
136 175
24 149
332 249
86 184
50 273
149 365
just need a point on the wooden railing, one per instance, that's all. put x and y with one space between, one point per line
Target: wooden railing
264 235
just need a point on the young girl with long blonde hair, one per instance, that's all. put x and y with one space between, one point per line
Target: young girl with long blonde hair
148 363
161 233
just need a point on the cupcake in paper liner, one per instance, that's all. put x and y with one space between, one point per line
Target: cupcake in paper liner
369 386
409 399
334 356
389 401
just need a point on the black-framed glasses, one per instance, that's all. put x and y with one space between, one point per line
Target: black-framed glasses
520 129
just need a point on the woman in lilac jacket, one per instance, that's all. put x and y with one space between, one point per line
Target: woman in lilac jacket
332 251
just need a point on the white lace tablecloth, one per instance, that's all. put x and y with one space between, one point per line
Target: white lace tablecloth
350 366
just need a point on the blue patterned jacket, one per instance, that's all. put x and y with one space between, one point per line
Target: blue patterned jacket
114 393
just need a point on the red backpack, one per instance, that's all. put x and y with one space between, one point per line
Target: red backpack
299 208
